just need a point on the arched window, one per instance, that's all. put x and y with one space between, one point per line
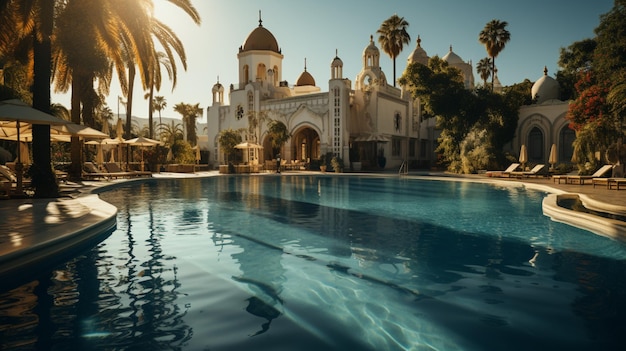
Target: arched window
261 71
535 146
246 74
276 76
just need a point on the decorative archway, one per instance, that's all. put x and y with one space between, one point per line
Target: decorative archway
536 146
305 144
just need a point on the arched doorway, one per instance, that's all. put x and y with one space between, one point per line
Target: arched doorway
566 144
305 143
536 146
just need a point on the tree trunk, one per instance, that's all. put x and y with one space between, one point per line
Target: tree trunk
150 127
46 185
75 171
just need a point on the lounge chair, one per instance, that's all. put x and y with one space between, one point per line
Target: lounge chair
609 182
8 177
563 177
114 168
580 179
506 172
532 173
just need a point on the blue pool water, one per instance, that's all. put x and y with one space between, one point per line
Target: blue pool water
327 263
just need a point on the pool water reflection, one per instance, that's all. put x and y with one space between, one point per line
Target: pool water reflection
332 263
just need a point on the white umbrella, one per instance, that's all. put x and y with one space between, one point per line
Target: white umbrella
523 157
248 145
142 141
19 112
99 155
552 160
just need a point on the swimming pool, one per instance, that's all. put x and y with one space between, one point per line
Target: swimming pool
327 263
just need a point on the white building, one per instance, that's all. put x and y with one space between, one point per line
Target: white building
364 122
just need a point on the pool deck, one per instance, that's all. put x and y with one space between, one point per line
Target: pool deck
35 228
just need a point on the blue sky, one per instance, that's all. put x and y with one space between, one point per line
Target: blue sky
315 29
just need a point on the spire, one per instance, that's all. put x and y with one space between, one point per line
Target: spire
419 41
336 52
305 64
450 47
260 20
545 70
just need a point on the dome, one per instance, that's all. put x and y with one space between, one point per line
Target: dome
418 55
336 62
218 87
371 49
545 88
451 58
260 39
305 78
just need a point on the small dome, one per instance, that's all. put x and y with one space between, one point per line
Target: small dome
260 39
336 62
218 87
418 55
371 49
305 79
545 88
451 58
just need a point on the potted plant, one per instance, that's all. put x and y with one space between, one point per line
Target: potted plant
337 164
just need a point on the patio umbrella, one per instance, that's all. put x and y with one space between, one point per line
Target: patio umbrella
249 147
142 141
119 129
523 157
553 157
20 112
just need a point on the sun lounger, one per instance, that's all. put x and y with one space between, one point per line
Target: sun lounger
532 173
609 183
506 172
9 179
114 168
581 179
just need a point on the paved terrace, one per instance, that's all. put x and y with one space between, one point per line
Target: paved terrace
36 228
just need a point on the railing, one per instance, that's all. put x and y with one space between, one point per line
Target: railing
404 168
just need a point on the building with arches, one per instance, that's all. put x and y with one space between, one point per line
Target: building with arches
367 121
543 123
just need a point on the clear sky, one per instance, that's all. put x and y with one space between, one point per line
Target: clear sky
315 29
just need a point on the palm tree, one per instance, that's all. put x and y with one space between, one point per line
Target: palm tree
494 36
393 36
189 113
158 104
170 44
172 132
155 81
483 67
32 23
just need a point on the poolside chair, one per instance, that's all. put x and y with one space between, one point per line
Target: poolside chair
532 173
580 179
115 170
506 172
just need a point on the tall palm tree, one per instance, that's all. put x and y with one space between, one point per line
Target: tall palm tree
392 37
158 104
171 44
155 82
483 67
494 37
